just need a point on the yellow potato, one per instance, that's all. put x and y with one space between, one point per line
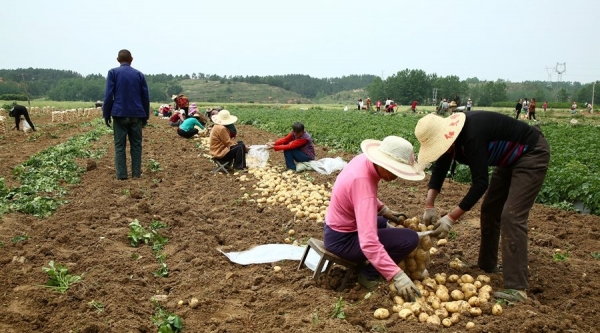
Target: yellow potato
381 313
497 310
446 322
434 319
475 312
457 295
470 325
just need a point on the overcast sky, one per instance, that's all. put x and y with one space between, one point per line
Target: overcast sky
510 39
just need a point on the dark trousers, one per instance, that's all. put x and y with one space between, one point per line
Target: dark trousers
504 212
237 154
24 113
518 113
531 115
128 128
397 242
294 155
187 134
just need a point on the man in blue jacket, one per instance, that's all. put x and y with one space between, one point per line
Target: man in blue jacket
126 100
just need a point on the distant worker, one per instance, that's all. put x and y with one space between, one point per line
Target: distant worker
378 105
469 104
545 106
573 107
17 111
181 102
413 106
519 107
369 103
443 107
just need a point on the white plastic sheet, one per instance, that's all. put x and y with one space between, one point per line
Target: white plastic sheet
326 166
267 253
257 157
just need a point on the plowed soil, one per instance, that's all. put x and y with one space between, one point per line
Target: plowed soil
206 212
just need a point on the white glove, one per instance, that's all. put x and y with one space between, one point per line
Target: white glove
442 227
405 287
429 216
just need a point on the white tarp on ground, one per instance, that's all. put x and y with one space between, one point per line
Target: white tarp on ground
267 253
328 165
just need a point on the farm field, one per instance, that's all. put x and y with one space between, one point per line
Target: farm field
203 212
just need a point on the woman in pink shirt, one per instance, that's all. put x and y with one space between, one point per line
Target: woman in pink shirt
356 225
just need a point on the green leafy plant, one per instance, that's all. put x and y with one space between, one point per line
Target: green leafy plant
20 238
338 310
59 278
138 234
153 165
167 322
560 256
96 305
162 271
1 244
315 317
595 255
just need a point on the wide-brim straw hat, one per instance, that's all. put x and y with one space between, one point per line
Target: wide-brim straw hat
394 154
436 134
224 118
174 96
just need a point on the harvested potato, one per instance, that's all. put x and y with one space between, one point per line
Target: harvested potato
475 312
291 232
434 319
446 322
441 312
398 300
474 301
440 278
381 313
466 278
497 310
276 269
194 302
406 314
453 278
457 295
442 242
423 317
442 294
425 243
470 325
396 308
483 278
478 284
469 290
455 318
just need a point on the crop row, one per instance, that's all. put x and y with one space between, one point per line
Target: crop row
572 175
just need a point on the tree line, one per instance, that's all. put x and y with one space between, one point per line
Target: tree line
403 87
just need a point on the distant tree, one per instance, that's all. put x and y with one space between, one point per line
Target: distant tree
563 95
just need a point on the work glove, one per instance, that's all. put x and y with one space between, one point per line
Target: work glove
429 216
107 121
405 287
442 227
391 215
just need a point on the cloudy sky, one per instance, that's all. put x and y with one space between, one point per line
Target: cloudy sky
513 40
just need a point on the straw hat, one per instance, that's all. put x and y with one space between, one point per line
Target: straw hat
224 118
436 134
174 96
394 154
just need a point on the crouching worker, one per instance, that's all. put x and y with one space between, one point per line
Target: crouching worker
222 146
297 146
190 127
356 223
17 111
177 118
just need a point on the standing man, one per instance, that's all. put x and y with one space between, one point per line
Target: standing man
17 111
521 156
126 100
368 103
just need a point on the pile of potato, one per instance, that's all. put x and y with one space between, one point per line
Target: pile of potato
415 265
446 300
303 198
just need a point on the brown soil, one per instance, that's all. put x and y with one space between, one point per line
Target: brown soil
205 212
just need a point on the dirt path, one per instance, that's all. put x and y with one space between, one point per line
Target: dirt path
205 212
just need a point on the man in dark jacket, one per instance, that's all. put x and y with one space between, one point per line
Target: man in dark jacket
17 111
126 100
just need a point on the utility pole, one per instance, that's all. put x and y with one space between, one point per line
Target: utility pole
593 88
25 88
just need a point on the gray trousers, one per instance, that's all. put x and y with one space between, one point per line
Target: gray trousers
123 129
505 210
